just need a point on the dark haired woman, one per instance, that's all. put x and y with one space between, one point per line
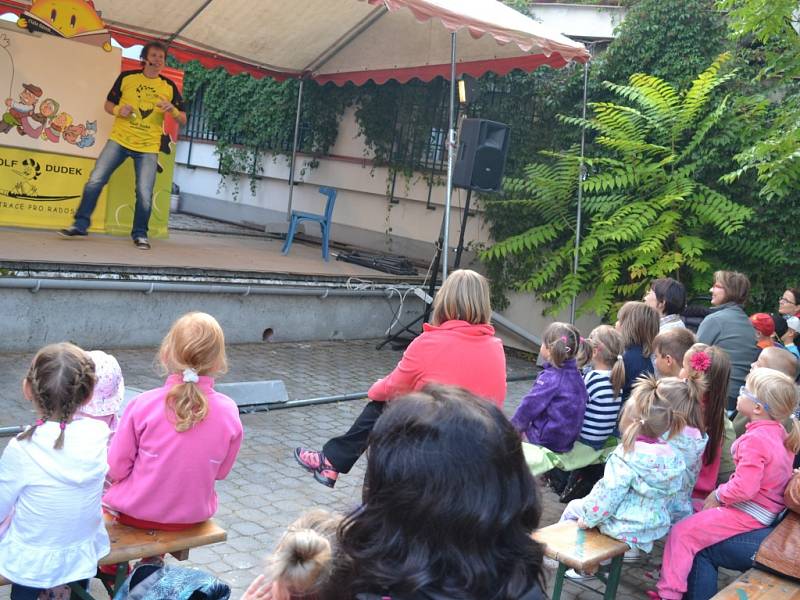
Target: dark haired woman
668 298
449 507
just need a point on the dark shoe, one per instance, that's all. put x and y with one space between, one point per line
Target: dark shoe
141 243
71 232
316 463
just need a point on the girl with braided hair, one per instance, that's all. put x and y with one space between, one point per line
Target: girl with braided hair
173 443
51 479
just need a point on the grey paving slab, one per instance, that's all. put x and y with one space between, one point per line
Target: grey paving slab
266 489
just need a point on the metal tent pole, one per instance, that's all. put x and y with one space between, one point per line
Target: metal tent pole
451 148
294 149
581 177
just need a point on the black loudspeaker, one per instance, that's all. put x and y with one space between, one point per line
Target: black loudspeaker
481 157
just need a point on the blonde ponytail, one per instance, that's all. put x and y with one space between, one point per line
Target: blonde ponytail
189 405
607 342
195 345
646 412
793 439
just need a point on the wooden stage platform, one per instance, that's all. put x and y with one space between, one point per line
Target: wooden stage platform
184 253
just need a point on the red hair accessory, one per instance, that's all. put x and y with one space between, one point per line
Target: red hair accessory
700 361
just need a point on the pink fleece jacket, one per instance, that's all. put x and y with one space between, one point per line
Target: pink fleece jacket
161 475
763 467
454 353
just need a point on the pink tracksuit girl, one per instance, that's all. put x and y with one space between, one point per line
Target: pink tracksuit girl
752 499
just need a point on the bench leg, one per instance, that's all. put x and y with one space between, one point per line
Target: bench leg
120 574
559 583
614 574
80 592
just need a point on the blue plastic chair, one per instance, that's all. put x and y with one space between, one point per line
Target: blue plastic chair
324 221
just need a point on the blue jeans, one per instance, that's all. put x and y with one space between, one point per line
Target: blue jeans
112 156
735 553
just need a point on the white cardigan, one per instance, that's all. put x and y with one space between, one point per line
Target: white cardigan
56 534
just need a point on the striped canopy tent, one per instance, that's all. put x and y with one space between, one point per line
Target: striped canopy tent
340 41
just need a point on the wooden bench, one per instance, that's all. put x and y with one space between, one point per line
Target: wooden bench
129 543
582 550
760 585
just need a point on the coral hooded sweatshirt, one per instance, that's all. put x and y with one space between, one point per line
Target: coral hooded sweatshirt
453 353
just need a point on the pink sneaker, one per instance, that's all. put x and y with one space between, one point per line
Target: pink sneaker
316 463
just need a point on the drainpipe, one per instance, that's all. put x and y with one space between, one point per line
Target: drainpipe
150 287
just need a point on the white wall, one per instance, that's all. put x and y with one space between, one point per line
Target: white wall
363 215
579 20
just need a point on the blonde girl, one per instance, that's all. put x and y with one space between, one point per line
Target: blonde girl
458 347
51 479
302 562
687 435
551 413
638 324
641 476
175 441
711 367
604 385
753 497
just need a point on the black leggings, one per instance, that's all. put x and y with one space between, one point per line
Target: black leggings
344 451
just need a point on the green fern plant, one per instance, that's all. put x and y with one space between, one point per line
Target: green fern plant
646 214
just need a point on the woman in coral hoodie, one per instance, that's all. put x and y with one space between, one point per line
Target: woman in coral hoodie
174 442
458 348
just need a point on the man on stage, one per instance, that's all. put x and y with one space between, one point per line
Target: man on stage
138 100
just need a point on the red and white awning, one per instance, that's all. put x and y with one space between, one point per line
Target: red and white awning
340 40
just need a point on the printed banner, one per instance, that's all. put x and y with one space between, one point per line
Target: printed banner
54 90
43 190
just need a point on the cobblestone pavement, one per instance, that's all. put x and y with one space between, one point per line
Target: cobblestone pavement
266 489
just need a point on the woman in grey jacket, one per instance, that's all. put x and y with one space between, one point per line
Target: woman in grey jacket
729 328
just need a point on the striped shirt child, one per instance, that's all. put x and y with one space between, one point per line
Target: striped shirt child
602 410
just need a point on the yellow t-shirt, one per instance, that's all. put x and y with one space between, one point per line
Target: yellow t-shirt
142 130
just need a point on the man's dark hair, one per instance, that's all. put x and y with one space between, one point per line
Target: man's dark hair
672 293
149 46
449 505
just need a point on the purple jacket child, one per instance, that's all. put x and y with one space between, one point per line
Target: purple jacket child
551 414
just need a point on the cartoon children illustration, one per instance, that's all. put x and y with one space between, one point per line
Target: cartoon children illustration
24 106
72 133
48 108
87 137
57 126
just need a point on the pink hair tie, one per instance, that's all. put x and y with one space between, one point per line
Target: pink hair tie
63 425
39 423
700 361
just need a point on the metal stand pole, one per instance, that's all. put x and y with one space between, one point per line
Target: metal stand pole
451 149
460 247
581 177
294 149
